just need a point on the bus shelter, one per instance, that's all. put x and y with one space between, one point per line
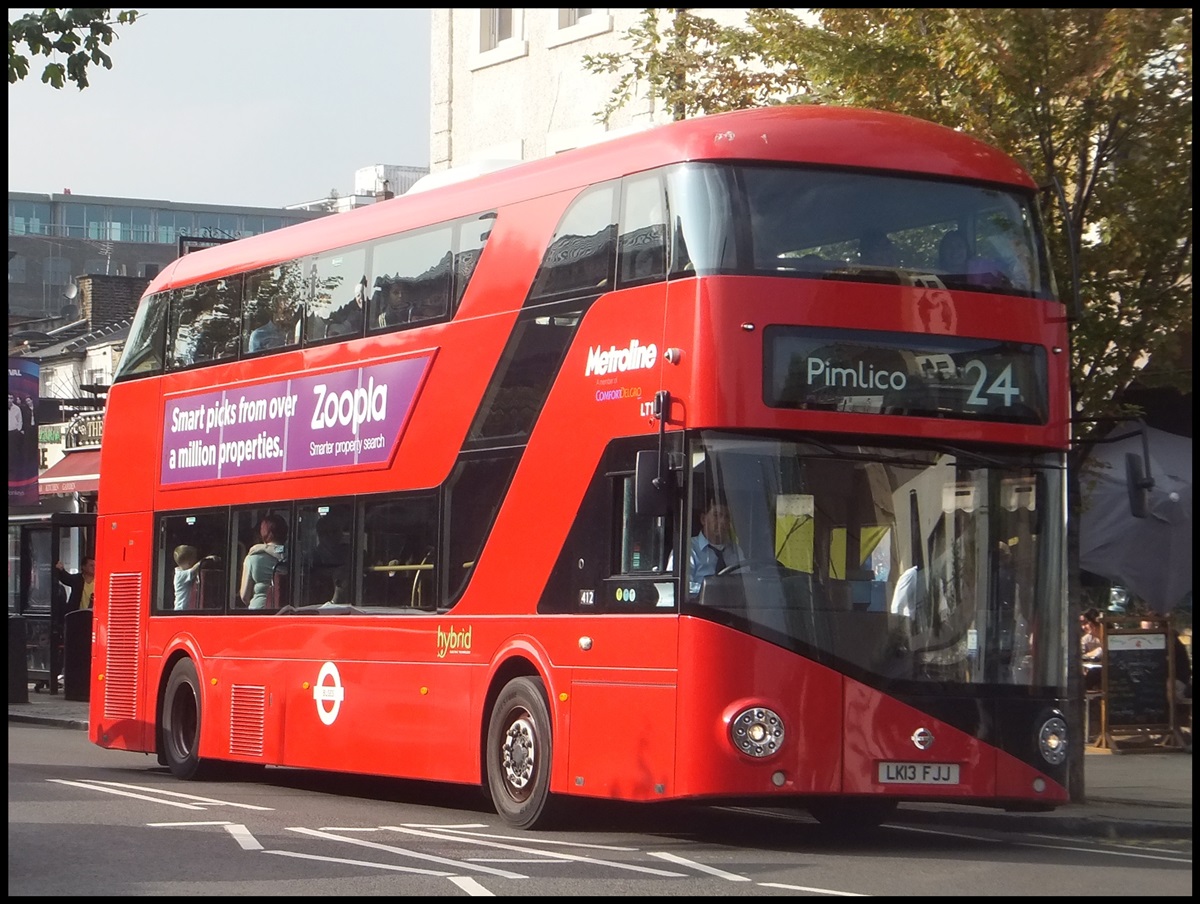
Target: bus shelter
37 603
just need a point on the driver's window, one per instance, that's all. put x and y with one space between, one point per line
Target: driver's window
643 566
642 546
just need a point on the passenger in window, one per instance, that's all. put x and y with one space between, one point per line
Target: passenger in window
331 556
876 249
349 318
990 271
264 561
394 307
712 550
953 253
187 576
276 332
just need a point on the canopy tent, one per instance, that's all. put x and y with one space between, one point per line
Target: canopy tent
1151 556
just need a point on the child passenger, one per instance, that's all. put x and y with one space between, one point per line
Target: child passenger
187 572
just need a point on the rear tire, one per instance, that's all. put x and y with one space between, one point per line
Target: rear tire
519 751
181 720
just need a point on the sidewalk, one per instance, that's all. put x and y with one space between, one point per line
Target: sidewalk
1129 795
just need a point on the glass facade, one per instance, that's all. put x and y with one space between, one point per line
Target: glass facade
129 221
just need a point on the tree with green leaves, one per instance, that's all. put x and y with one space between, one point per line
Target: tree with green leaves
1094 102
77 36
1097 101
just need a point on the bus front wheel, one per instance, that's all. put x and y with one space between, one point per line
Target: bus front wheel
519 752
180 732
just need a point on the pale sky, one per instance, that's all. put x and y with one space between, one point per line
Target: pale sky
253 107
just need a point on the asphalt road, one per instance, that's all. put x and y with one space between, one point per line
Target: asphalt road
83 820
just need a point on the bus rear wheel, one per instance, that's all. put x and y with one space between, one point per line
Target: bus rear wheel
519 751
180 731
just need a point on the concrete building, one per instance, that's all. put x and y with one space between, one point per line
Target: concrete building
371 183
510 85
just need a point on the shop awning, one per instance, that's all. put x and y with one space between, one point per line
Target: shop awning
77 472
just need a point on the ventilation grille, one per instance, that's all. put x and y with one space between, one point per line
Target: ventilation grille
247 716
124 636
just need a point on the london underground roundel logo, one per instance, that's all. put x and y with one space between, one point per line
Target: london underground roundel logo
328 693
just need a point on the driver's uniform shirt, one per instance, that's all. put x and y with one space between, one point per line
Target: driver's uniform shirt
703 560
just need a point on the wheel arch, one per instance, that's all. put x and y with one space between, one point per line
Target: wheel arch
520 658
182 649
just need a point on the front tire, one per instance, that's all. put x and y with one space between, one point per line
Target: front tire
519 751
181 715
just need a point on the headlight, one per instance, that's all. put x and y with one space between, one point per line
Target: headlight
1052 740
757 731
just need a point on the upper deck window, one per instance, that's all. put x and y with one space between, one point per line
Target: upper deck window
887 228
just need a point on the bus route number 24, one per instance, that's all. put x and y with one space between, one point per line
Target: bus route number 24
1001 387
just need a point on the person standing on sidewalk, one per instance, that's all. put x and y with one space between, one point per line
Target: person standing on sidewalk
82 583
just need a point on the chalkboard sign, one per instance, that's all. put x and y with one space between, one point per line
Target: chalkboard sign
1135 678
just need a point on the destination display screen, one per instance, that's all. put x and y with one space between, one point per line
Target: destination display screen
903 373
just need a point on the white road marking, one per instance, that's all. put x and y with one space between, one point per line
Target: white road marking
471 887
391 867
184 825
692 864
1102 851
98 785
520 849
816 891
404 852
242 836
542 841
155 800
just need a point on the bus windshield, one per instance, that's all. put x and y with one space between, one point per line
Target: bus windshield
837 224
916 565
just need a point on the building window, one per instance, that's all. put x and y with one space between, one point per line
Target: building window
495 26
28 218
16 270
569 25
56 271
499 37
569 17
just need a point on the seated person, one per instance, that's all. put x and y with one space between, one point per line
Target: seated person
953 253
330 564
990 271
348 319
712 549
876 250
393 308
278 331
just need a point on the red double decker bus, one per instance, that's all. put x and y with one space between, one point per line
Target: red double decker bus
721 461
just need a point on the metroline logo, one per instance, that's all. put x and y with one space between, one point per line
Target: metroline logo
635 357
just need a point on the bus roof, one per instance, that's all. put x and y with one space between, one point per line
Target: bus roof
821 135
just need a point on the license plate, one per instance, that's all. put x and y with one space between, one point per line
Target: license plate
918 773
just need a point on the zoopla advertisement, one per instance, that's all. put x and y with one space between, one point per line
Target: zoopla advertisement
336 419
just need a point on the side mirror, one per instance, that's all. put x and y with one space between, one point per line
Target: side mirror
653 495
1139 484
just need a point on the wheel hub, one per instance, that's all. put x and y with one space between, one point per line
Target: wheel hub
519 755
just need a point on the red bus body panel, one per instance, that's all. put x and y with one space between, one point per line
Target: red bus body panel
641 704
